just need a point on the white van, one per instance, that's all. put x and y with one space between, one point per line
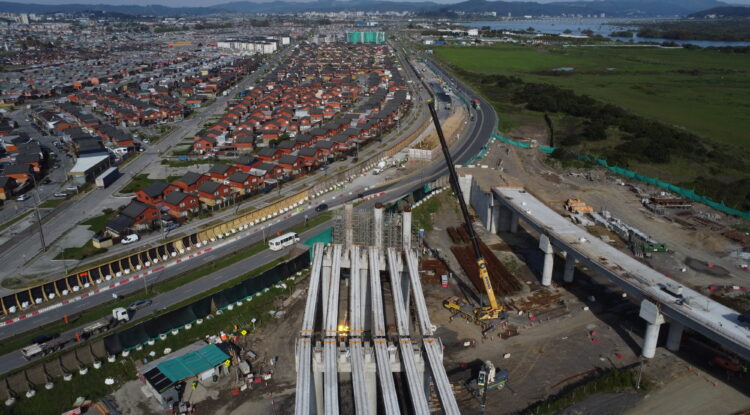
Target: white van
280 242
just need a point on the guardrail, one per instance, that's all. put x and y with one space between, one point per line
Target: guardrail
29 302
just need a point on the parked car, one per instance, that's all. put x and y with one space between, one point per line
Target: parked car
129 239
23 197
47 181
71 189
137 305
321 207
171 225
60 195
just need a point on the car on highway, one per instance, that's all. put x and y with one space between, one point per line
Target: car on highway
47 181
321 207
60 194
129 239
23 197
137 305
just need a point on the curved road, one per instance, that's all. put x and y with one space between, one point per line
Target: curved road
484 124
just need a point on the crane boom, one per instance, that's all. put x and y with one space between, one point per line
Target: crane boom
493 309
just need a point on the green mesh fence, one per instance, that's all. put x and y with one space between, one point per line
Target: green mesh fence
686 193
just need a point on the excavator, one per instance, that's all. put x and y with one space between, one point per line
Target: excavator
483 315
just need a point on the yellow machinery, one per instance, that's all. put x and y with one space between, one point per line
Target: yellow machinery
577 206
458 306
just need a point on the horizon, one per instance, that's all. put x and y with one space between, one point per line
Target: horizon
199 3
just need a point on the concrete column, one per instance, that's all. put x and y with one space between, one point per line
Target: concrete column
406 229
549 260
378 222
348 227
464 182
513 222
654 319
495 217
504 214
675 336
649 340
570 266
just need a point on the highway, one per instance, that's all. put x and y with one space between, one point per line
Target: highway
484 124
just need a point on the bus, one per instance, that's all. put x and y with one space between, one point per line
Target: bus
280 242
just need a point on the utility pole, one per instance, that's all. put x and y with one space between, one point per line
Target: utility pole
38 215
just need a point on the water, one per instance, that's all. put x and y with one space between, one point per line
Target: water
604 27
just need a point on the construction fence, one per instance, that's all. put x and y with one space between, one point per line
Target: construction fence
686 193
177 319
97 351
48 295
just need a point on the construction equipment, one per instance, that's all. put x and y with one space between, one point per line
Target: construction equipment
577 206
488 379
493 310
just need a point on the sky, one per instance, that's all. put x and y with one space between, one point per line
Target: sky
191 3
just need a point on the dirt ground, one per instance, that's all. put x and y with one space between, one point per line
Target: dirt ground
592 327
276 339
509 165
506 165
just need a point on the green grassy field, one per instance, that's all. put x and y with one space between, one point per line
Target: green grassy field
706 92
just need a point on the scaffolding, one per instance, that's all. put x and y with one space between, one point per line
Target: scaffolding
363 229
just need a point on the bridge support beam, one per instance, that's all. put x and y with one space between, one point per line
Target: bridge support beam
549 260
318 381
372 387
654 319
406 228
348 226
570 267
377 214
675 336
513 227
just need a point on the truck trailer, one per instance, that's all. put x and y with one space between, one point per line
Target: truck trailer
107 178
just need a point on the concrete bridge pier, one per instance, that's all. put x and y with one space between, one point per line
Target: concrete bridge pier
570 266
674 338
654 319
513 226
503 219
549 259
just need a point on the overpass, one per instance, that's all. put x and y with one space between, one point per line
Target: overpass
345 349
505 207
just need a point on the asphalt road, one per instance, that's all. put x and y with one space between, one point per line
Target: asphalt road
483 126
57 176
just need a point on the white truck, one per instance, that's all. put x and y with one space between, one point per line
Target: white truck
119 315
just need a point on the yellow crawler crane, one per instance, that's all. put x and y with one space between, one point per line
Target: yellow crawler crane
481 314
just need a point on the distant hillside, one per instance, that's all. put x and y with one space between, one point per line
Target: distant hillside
611 8
731 11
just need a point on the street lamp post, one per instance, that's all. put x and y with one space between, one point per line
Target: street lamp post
38 215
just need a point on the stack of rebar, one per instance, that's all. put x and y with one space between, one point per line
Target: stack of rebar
503 282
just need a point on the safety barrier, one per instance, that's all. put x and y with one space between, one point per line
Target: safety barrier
84 283
101 277
686 193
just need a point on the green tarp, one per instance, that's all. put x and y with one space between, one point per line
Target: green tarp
686 193
192 363
326 237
